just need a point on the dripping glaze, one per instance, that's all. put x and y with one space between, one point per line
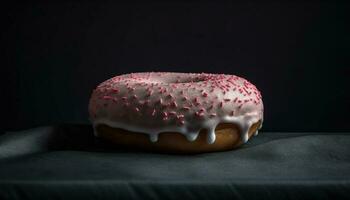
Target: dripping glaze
244 122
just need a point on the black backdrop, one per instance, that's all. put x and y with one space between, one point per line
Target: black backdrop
56 53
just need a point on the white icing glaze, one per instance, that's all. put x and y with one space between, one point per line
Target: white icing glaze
152 103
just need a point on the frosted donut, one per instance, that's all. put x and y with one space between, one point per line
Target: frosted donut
176 112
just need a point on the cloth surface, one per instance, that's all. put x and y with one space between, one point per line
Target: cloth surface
67 162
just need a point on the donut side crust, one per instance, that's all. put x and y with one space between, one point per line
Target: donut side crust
227 138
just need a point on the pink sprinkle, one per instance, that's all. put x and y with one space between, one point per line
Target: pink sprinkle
174 104
182 122
205 94
199 114
154 112
107 97
180 116
172 113
213 115
165 118
165 114
186 108
137 109
246 90
197 104
149 94
134 96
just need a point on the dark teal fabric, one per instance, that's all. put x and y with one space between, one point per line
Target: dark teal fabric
67 162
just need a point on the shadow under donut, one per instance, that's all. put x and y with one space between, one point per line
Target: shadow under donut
80 137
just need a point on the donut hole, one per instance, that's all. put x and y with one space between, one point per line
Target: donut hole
184 79
190 80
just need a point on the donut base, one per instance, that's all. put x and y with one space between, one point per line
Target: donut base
227 138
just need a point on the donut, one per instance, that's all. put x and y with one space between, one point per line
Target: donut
176 112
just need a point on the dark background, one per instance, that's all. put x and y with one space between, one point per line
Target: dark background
295 53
